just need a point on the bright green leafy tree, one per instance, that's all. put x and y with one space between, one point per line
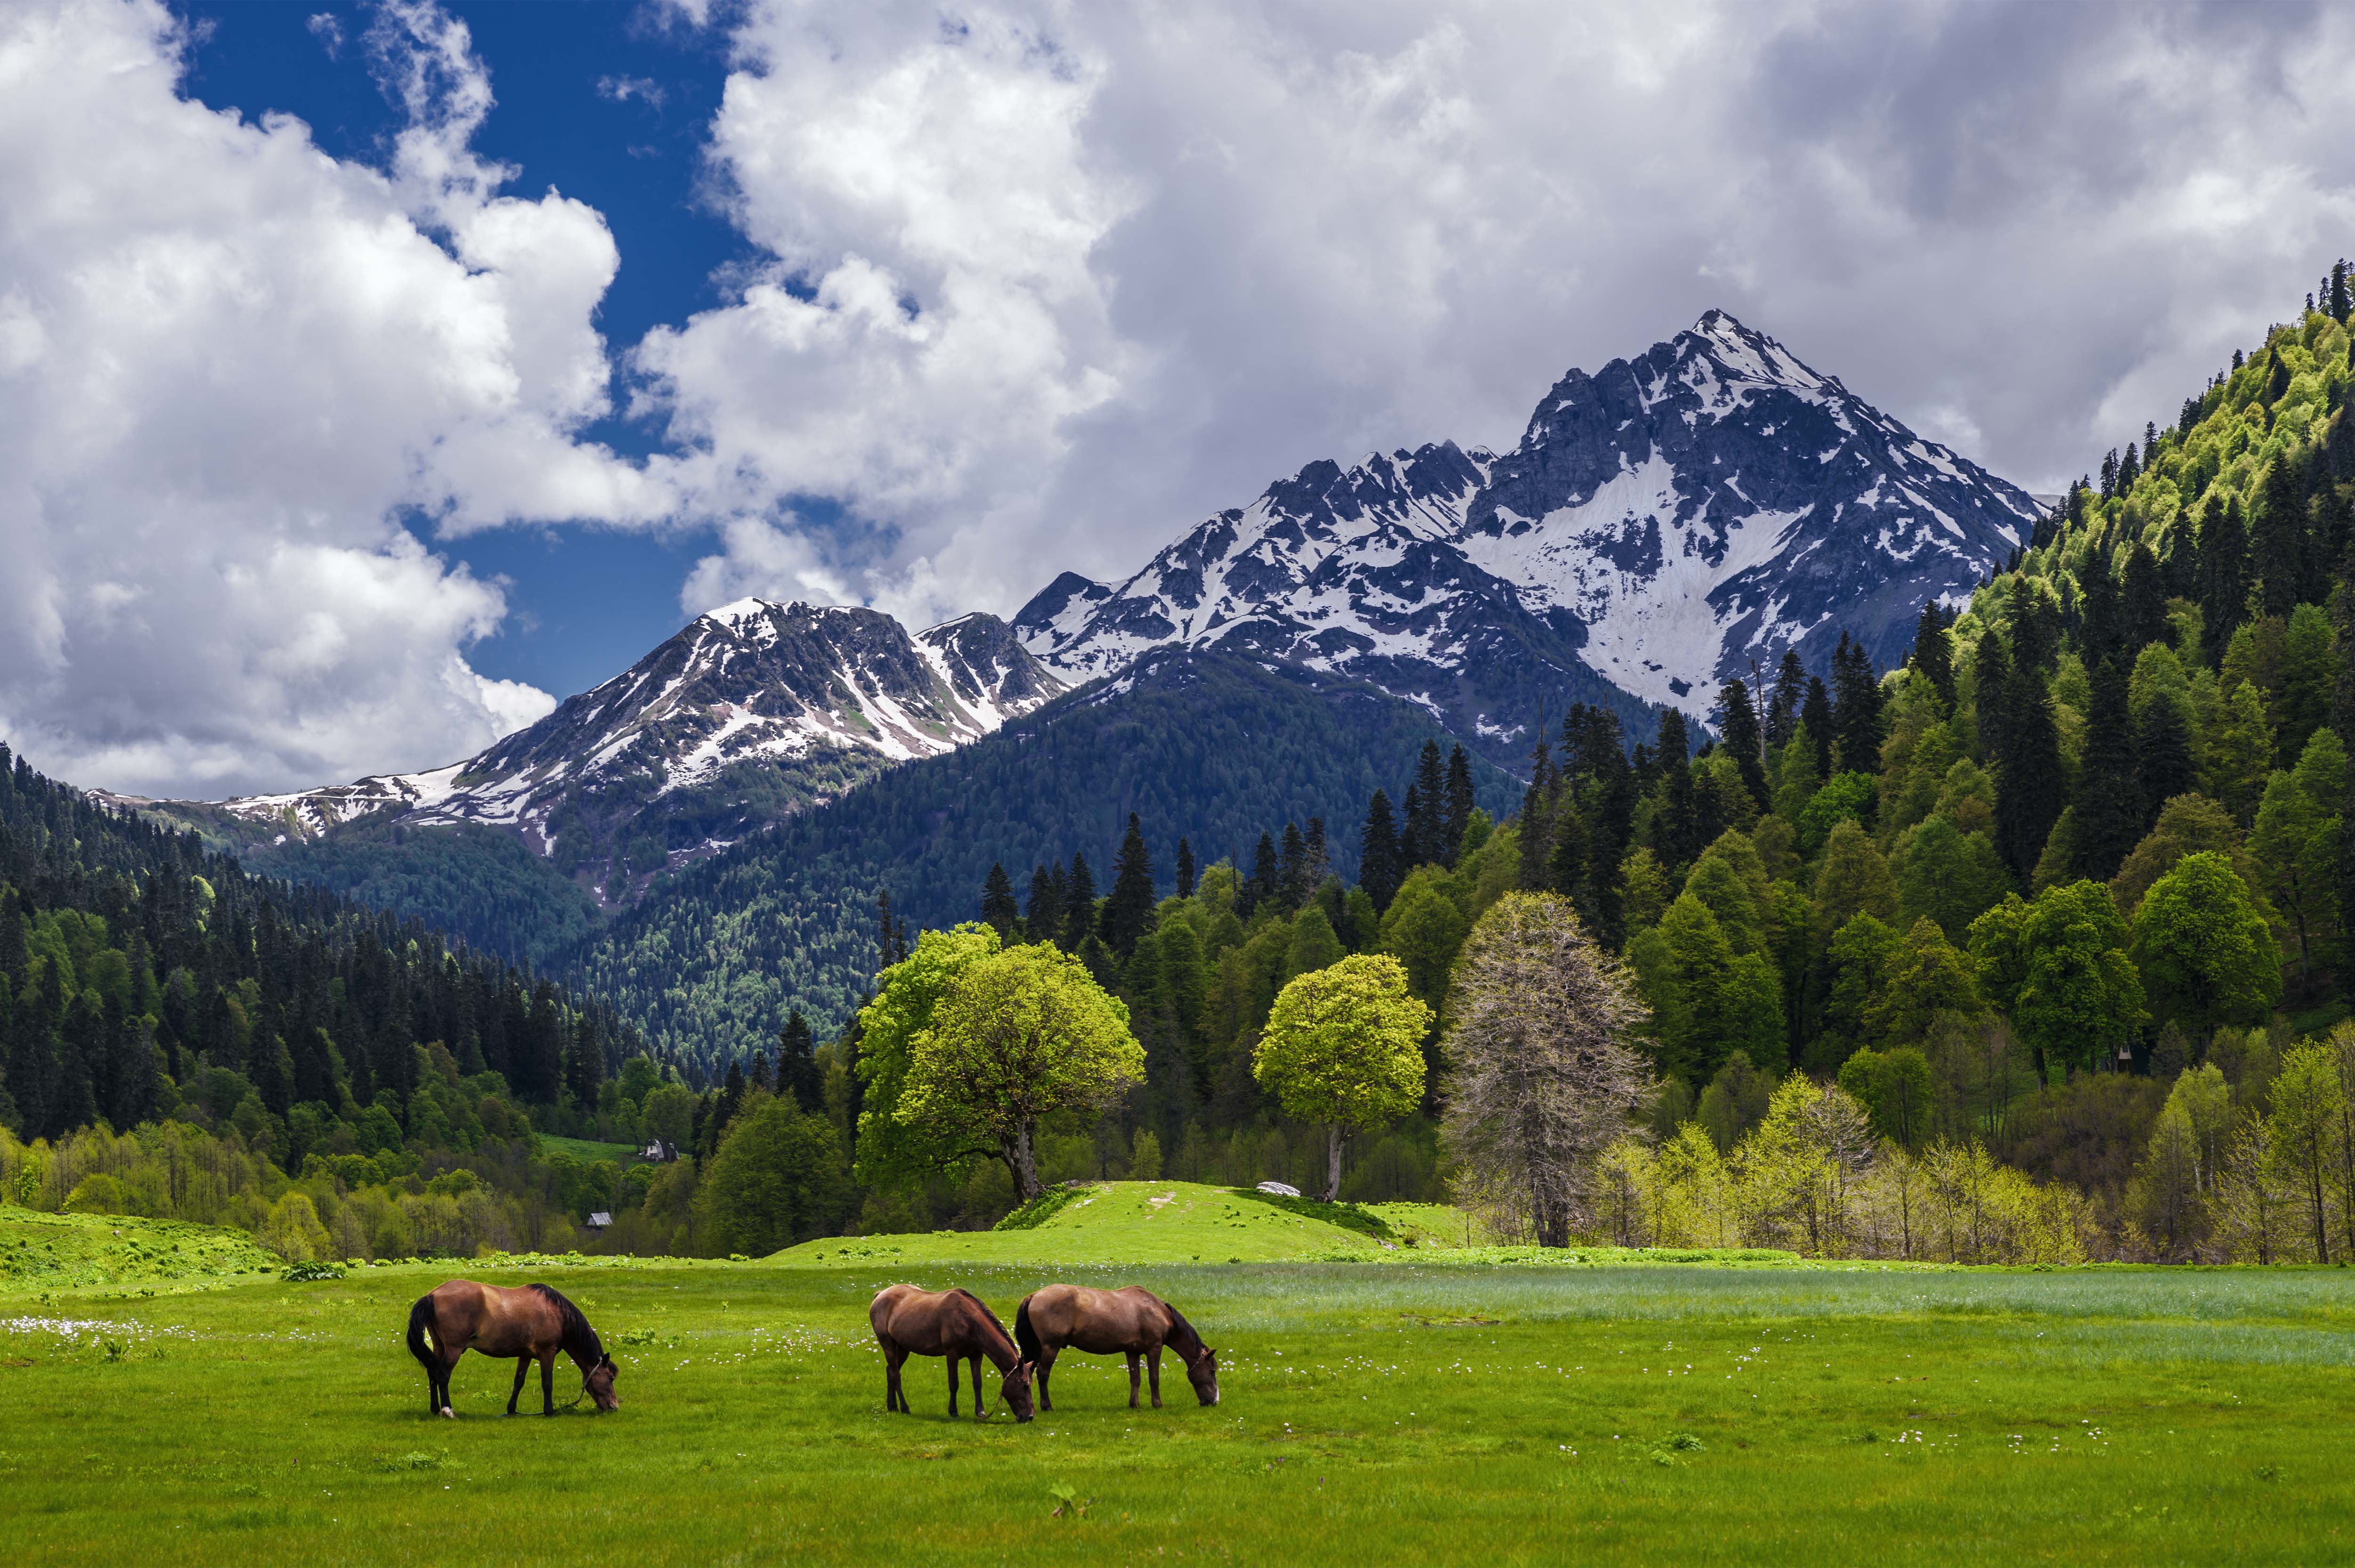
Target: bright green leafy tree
1343 1046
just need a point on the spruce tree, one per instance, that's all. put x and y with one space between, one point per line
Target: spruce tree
1790 692
1043 915
1743 739
1418 836
2100 633
2223 580
2110 814
1317 860
1933 651
1128 912
1078 904
2163 755
1185 869
998 909
2142 602
1261 886
1378 871
1677 826
1537 821
2279 535
1816 713
1292 869
1457 815
797 1073
1856 707
2029 779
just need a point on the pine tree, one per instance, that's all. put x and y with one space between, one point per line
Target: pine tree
1292 869
1933 651
2142 604
2100 633
1261 887
1078 904
1537 821
2029 779
2223 581
2109 806
1185 869
1816 713
1790 692
1128 912
2339 302
1677 826
2163 754
1043 915
1856 707
1379 870
1317 860
797 1071
1739 723
998 907
1457 816
2279 541
1424 839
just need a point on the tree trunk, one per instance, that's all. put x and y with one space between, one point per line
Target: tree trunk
1333 1162
1022 1162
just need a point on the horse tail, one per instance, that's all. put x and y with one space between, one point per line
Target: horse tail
1025 1335
420 1330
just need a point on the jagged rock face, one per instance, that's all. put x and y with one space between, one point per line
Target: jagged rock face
825 695
1661 524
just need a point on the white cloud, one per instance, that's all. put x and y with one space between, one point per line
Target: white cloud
227 361
1050 283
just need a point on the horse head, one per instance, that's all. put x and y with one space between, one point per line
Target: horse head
1202 1371
1015 1390
599 1384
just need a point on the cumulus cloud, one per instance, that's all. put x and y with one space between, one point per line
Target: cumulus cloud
1046 283
229 364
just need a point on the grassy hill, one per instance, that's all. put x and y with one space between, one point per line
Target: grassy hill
1143 1222
41 1252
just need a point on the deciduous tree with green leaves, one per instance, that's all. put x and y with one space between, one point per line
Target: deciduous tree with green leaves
2205 951
1015 1037
1343 1047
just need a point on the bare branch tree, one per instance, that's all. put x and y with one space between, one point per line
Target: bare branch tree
1541 1077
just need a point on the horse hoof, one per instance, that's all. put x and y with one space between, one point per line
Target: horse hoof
449 1412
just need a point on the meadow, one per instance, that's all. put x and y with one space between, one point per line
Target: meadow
1424 1408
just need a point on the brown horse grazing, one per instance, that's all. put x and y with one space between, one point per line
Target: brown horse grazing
952 1323
1133 1322
531 1323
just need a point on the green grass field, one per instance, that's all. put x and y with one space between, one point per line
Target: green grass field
588 1152
1424 1408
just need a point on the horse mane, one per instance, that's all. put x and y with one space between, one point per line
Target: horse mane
990 1318
580 1341
1182 1336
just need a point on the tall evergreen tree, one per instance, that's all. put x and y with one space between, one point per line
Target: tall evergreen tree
1790 692
2028 779
1262 884
1185 869
1078 904
1379 870
2100 633
1457 815
1739 723
1043 915
1677 824
1317 861
2223 574
2142 602
797 1073
1292 869
1856 707
1816 713
2163 756
2110 817
2278 544
999 908
1537 820
1128 912
1933 650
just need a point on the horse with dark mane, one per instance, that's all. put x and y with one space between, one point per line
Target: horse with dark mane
1133 1322
952 1323
530 1323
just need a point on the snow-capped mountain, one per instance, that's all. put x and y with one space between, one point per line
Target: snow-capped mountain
1662 526
753 711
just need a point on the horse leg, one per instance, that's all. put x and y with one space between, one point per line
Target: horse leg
954 1370
1132 1380
1153 1369
442 1368
980 1411
1046 1365
548 1383
523 1369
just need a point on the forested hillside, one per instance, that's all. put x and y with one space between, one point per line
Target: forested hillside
1205 745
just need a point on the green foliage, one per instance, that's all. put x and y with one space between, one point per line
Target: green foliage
1039 1210
2059 968
1344 1044
1844 798
2204 950
780 1177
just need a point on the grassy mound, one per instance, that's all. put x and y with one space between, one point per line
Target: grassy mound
1124 1222
73 1251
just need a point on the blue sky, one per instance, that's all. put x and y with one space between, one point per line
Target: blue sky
346 442
585 603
